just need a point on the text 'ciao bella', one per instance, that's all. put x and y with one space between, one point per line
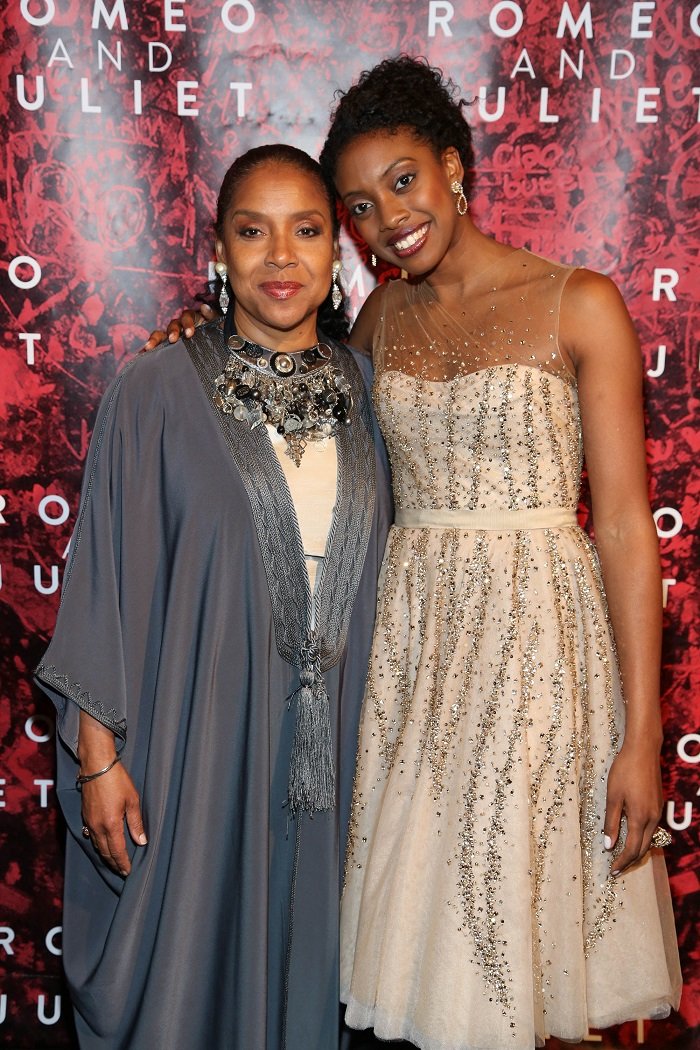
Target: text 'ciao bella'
105 69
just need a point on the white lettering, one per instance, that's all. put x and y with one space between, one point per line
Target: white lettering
696 91
22 282
640 19
2 796
62 514
545 117
152 67
229 24
654 373
46 588
43 786
184 96
523 65
30 338
665 584
38 735
620 52
440 13
595 104
684 822
240 88
682 748
22 95
695 20
50 942
647 102
673 514
576 67
500 104
3 506
173 11
99 10
3 1007
665 280
85 104
138 108
514 10
103 52
38 20
566 21
41 1010
7 936
59 54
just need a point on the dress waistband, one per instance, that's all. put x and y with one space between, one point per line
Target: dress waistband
488 520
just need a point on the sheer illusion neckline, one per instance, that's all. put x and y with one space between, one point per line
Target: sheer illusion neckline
567 379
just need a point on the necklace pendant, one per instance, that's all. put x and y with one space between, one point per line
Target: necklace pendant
295 447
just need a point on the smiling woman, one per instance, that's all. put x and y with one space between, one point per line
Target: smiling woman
230 592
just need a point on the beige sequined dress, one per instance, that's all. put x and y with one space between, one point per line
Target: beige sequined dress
478 910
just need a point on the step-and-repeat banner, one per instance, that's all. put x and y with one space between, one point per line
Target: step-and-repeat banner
118 119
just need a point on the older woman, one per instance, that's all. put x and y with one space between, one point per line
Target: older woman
205 686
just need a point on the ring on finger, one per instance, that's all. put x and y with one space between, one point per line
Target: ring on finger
661 838
86 831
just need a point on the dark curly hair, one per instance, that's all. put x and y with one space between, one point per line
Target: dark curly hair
333 323
401 92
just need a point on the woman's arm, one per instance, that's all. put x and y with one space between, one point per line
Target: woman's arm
362 332
110 799
597 334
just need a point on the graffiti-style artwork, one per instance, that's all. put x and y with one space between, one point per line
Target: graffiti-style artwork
119 120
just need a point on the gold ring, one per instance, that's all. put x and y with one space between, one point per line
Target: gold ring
661 838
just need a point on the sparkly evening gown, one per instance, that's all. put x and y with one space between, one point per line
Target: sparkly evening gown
478 911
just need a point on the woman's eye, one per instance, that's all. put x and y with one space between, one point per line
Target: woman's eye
361 208
405 180
249 231
309 231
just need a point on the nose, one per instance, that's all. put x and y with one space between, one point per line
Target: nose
392 213
281 250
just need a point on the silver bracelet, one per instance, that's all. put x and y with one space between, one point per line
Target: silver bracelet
100 772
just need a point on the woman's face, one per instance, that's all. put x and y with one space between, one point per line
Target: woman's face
398 193
278 247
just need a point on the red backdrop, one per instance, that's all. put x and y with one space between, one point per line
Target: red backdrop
118 120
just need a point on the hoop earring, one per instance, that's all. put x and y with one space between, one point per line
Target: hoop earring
336 293
224 299
462 202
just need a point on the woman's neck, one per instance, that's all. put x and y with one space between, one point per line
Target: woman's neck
300 337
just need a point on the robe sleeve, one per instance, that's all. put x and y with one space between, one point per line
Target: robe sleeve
83 666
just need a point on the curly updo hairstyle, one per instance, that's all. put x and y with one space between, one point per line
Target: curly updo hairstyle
401 93
331 322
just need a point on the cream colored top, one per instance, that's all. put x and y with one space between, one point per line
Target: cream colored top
313 490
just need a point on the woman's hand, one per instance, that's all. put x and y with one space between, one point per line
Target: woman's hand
107 802
185 323
634 788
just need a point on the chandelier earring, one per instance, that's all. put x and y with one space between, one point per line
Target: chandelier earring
374 260
462 202
224 299
336 294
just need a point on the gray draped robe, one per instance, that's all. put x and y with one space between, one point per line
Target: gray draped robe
225 934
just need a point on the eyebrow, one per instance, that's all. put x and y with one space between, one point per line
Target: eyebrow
383 175
261 216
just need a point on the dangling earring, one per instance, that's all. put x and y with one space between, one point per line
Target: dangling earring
224 300
336 294
373 257
462 202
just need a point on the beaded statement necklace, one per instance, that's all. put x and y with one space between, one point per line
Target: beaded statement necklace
302 393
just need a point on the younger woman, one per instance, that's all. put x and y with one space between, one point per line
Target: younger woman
498 885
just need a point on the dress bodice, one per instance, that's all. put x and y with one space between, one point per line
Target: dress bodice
480 411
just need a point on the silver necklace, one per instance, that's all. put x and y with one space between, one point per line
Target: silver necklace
301 393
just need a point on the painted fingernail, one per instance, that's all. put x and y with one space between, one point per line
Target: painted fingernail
142 840
608 843
123 873
189 331
614 874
